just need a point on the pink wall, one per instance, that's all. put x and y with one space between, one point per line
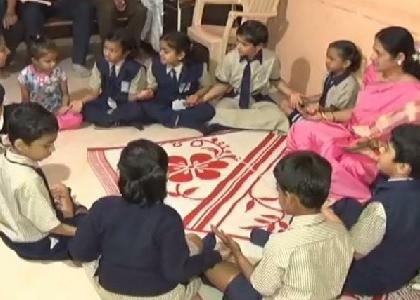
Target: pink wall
304 28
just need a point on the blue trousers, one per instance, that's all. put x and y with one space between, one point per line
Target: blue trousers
241 289
79 11
193 117
128 113
53 247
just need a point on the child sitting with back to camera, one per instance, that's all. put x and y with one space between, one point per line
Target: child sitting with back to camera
44 82
135 244
309 260
340 88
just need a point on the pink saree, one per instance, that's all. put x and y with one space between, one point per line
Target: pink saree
380 107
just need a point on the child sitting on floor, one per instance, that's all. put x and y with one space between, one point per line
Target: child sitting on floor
385 232
340 87
35 221
137 240
113 86
244 78
177 83
46 83
310 260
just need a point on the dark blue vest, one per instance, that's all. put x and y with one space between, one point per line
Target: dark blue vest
395 261
128 71
169 89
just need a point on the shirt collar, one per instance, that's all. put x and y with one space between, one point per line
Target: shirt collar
117 65
258 57
19 159
306 220
337 79
177 69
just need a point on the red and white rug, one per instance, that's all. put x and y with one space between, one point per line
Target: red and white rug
224 180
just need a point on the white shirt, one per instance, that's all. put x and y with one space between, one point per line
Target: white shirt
26 212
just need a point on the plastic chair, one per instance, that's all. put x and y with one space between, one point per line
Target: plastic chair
216 38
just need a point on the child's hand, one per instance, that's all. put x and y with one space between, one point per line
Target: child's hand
296 100
76 106
63 109
192 100
62 199
312 108
329 213
228 241
145 94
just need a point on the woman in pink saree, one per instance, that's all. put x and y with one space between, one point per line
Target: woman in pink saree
391 95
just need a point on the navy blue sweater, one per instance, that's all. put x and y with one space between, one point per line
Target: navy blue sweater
143 249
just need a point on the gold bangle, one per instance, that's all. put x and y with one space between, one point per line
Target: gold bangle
323 117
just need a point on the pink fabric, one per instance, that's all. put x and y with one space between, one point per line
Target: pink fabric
69 120
352 172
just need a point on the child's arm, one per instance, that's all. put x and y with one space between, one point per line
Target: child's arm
64 229
216 91
10 17
148 88
205 85
24 93
89 94
66 99
244 264
295 98
369 230
85 246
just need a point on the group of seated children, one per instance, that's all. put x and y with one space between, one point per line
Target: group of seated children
177 91
134 246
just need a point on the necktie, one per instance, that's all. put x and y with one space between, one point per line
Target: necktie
39 171
173 75
245 94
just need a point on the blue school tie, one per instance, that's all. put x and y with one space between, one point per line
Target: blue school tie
172 73
245 94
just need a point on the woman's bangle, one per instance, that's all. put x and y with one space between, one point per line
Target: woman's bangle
323 117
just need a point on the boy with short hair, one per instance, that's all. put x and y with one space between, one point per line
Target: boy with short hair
35 222
249 71
310 260
385 232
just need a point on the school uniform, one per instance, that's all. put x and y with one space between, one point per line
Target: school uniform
339 91
308 261
172 86
142 251
386 234
27 212
116 82
249 107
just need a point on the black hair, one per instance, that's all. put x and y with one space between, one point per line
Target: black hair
253 32
180 42
307 175
29 122
406 142
348 50
39 46
124 39
142 174
397 40
2 93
